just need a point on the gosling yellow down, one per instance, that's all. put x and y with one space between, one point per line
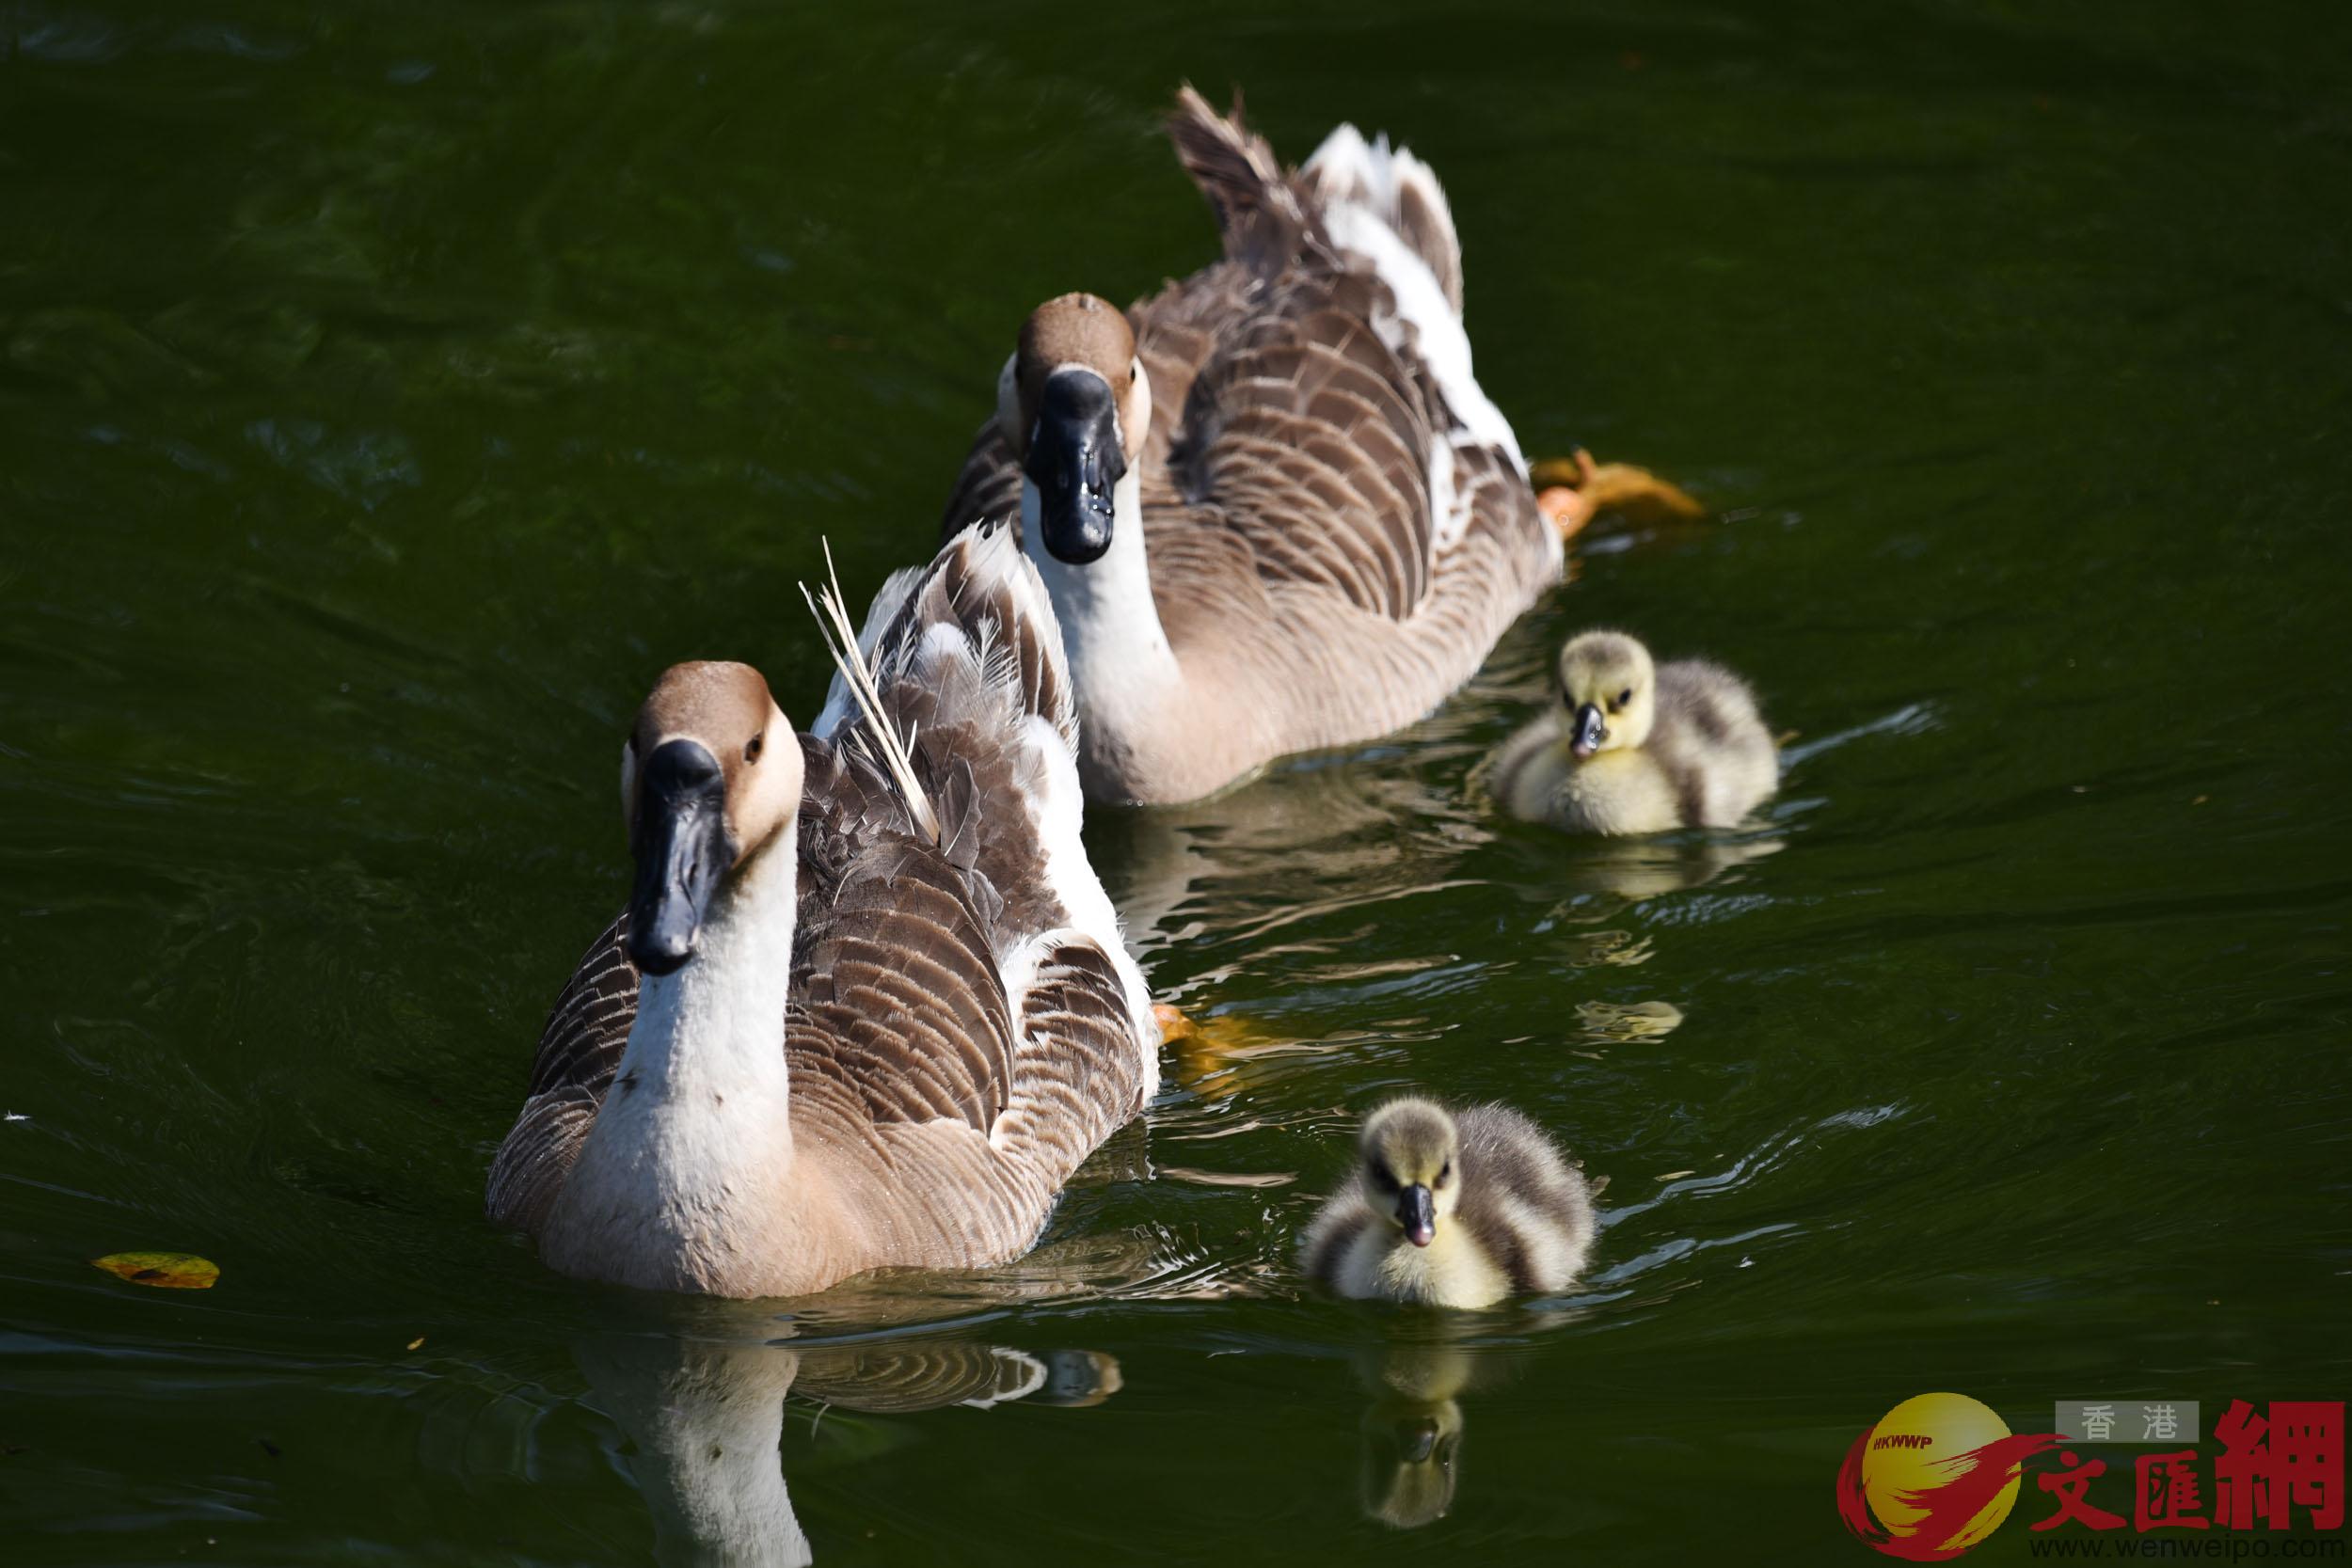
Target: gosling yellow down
1451 1210
1629 746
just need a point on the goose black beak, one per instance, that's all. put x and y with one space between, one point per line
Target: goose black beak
1075 463
1417 1211
1586 732
680 842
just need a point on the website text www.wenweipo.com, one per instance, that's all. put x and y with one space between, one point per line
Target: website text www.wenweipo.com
2234 1549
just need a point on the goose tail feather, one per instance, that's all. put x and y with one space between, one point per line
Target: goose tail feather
1352 181
1259 209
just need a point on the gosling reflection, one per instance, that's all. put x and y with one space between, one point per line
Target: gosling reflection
1638 869
1409 1448
1409 1441
1411 1434
707 1417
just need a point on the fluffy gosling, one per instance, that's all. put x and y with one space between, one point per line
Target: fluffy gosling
1451 1210
1632 747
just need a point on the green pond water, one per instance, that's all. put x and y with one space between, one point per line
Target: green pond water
388 393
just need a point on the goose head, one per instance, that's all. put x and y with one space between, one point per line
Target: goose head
1608 693
1412 1154
710 779
1074 406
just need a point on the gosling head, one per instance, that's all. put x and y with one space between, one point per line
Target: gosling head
709 779
1074 406
1412 1155
1608 693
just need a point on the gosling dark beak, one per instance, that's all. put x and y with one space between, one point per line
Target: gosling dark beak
680 842
1417 1440
1586 732
1075 463
1417 1211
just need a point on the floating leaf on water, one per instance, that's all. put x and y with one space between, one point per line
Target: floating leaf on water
166 1271
417 1343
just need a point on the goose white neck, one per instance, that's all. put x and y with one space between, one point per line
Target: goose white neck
1109 624
693 1139
717 1025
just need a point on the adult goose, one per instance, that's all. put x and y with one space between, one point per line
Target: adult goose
1273 508
868 1004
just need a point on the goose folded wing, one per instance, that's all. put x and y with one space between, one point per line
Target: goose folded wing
580 1051
1305 438
898 1014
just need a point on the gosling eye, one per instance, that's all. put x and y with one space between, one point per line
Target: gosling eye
1383 1178
1444 1175
752 749
1624 697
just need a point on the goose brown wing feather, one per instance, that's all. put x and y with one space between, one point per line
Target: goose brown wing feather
580 1051
988 486
1307 439
1076 1074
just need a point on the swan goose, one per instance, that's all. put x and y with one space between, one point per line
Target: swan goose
868 1004
1273 508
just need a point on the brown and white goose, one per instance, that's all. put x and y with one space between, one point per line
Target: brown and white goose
868 1004
1273 508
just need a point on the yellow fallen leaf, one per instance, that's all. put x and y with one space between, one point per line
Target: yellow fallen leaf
169 1271
417 1343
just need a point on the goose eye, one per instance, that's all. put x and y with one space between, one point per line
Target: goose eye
1445 1175
751 750
1624 697
1383 1177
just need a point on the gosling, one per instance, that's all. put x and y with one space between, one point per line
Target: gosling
1451 1211
1632 747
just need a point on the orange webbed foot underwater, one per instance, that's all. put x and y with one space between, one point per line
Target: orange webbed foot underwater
1572 491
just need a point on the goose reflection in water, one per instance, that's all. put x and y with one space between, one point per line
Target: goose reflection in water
707 1417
